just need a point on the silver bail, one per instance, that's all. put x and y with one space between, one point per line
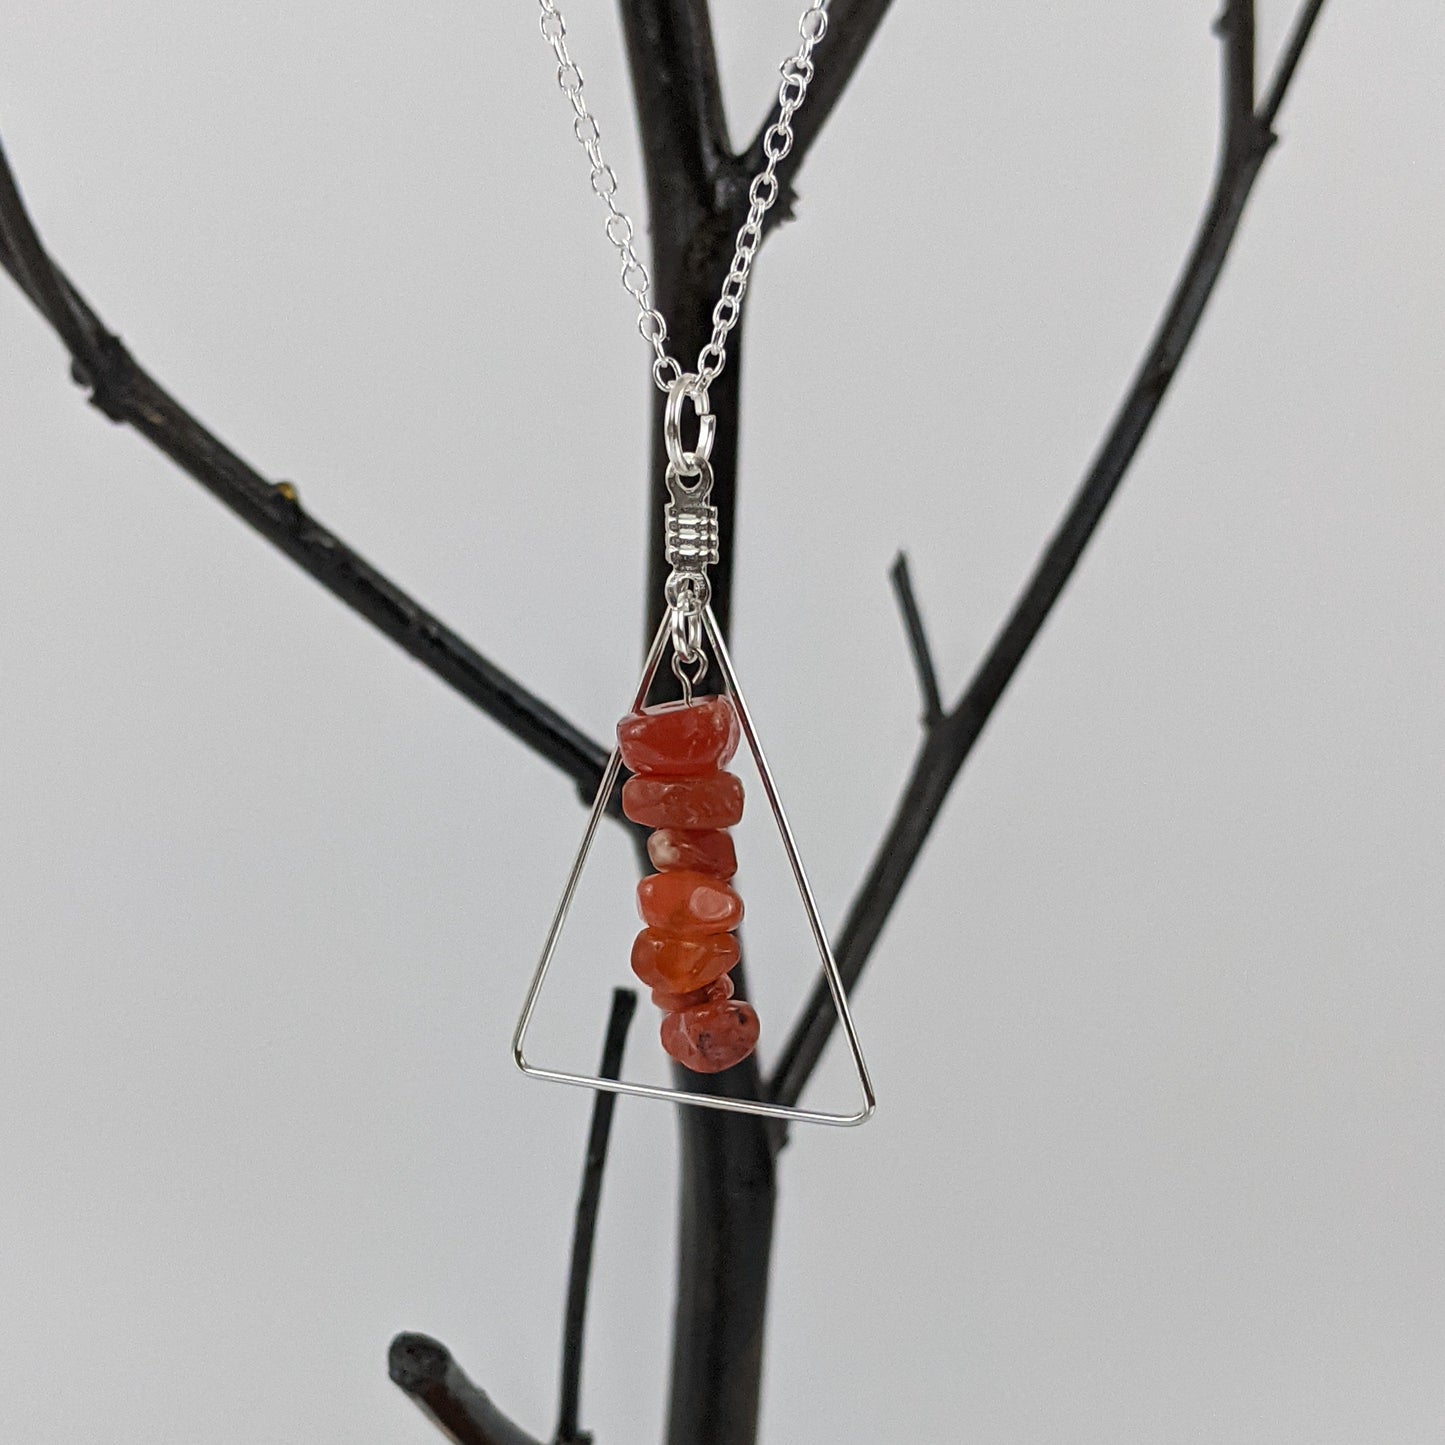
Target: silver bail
691 535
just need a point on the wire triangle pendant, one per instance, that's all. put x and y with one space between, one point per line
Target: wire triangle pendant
667 639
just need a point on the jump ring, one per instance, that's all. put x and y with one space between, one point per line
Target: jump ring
687 633
687 591
691 386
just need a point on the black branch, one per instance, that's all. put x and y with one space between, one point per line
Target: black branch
589 1201
125 393
1246 138
918 647
852 24
424 1369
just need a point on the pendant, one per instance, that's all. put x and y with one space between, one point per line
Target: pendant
676 755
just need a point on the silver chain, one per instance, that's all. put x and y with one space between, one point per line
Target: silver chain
797 73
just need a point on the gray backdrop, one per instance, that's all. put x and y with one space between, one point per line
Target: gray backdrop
1157 1027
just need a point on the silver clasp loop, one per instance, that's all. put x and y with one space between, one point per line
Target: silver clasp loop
686 603
687 631
694 389
686 591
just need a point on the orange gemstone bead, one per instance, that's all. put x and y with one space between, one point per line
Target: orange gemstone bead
703 850
677 752
674 1003
688 903
680 965
679 739
713 800
711 1038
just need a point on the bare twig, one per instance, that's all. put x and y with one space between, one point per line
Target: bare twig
425 1370
917 640
624 1005
1289 59
26 259
852 24
946 746
125 393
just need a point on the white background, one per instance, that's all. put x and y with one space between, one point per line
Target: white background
1157 1027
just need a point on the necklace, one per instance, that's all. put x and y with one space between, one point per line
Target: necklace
677 752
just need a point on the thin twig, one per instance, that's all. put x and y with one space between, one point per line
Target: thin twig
424 1369
36 274
945 748
624 1005
127 394
852 24
917 640
1289 60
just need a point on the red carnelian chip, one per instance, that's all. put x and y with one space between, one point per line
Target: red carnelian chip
712 1038
714 800
680 965
676 739
674 1003
688 903
704 850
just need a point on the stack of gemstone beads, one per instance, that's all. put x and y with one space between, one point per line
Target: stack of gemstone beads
677 752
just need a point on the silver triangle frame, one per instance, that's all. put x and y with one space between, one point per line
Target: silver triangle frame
815 924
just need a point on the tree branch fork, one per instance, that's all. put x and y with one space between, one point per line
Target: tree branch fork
697 191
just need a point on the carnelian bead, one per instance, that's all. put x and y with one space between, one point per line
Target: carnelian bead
680 965
678 739
712 1038
674 1003
704 850
688 903
714 800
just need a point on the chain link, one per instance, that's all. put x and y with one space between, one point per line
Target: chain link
797 73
